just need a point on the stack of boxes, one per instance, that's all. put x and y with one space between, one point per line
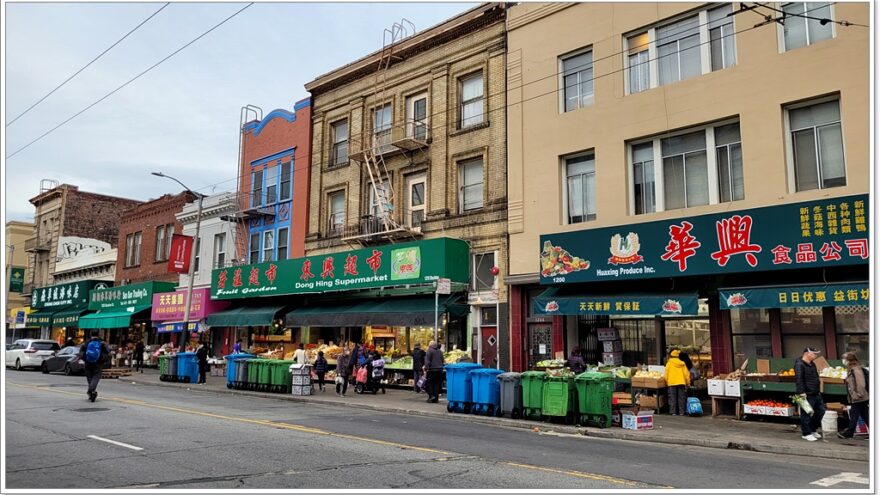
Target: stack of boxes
301 379
612 347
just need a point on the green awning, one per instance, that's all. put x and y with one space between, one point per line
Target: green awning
42 318
112 319
68 317
852 294
569 301
393 311
243 316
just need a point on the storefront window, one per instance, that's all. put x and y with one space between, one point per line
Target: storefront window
751 334
639 340
852 324
801 327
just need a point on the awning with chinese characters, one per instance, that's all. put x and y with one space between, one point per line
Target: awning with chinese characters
855 294
558 301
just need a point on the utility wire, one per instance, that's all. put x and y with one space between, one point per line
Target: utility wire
77 114
822 20
86 66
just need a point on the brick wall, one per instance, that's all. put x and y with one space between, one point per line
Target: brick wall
95 216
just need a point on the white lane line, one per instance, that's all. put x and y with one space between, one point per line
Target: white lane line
114 442
842 478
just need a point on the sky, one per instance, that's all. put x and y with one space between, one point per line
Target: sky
182 117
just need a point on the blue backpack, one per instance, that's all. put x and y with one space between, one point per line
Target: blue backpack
694 407
93 351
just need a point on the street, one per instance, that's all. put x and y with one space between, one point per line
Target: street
145 436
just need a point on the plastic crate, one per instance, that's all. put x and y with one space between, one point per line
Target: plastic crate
230 367
595 391
533 393
560 398
187 367
459 395
486 393
510 395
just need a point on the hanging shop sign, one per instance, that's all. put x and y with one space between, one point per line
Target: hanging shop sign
127 296
414 263
63 295
552 302
822 233
181 253
796 297
169 306
16 279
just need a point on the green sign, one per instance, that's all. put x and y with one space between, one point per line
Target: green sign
63 295
816 234
127 296
413 263
796 297
552 302
16 279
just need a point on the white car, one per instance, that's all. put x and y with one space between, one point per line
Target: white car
30 353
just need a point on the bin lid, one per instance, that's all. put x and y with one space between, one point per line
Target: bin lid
238 356
487 371
297 366
463 366
509 376
540 375
595 375
186 354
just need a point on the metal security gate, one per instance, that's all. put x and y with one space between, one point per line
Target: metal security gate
540 342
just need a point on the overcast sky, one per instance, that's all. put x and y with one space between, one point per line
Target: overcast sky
182 117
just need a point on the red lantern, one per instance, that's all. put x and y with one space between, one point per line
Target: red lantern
495 271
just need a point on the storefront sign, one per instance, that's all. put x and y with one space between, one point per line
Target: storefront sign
179 258
412 263
127 296
640 305
815 234
16 279
58 296
169 306
177 326
796 297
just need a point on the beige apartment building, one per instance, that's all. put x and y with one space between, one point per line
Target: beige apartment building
409 145
16 273
691 153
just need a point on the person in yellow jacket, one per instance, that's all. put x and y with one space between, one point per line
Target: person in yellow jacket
677 380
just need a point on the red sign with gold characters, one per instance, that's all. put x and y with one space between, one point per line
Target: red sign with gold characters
179 258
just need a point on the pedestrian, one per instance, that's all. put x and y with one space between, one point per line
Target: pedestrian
69 343
418 357
677 380
434 370
806 379
342 373
300 355
576 361
96 356
202 356
320 369
236 348
375 372
692 370
856 393
139 356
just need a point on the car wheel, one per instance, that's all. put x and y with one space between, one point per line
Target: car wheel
67 370
44 369
18 365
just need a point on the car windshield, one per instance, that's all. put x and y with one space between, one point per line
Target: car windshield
45 346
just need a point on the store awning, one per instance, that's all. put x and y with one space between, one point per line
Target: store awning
42 318
852 294
112 319
566 301
68 317
412 311
244 316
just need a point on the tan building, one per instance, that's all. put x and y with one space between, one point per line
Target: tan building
16 270
429 129
628 117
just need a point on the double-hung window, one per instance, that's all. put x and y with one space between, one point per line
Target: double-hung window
417 117
219 250
339 154
282 243
417 201
271 173
268 245
382 126
678 50
577 80
471 91
643 178
255 248
721 44
816 144
580 187
286 173
481 277
133 249
728 159
379 199
160 243
198 255
801 31
639 69
336 201
471 188
257 188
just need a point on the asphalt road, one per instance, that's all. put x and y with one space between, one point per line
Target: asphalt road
174 438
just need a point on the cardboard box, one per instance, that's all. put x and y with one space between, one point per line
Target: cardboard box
615 417
301 380
732 389
612 358
612 346
836 406
763 366
607 334
623 398
643 420
768 411
716 385
648 382
301 390
655 402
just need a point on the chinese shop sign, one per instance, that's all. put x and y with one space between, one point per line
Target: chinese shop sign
412 263
169 306
796 297
822 233
63 295
127 296
552 303
16 279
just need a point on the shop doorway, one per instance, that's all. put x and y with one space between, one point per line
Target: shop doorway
540 343
489 341
691 335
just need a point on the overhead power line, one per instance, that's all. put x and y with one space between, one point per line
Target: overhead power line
84 67
822 20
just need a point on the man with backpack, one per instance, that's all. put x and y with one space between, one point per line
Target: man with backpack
96 355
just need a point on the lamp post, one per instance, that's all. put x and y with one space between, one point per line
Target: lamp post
192 263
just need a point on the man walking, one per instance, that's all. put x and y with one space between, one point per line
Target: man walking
418 357
96 355
807 386
202 357
139 356
434 369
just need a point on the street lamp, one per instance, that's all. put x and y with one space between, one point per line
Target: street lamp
192 262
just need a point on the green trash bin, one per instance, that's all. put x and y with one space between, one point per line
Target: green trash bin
560 398
279 376
163 367
258 374
532 393
595 391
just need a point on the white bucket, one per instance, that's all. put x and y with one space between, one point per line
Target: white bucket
829 422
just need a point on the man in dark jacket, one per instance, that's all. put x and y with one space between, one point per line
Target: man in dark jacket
202 356
806 380
434 369
418 356
94 364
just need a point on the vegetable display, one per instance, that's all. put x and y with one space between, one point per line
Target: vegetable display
558 261
838 372
551 363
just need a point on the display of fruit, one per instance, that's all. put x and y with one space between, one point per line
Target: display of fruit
561 372
838 372
623 372
558 261
550 363
404 363
767 403
788 372
648 374
736 376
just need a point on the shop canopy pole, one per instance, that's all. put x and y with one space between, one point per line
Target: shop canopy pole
436 309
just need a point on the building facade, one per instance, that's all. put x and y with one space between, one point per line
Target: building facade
215 245
640 152
16 273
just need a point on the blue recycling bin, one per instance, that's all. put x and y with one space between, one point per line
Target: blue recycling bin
187 367
458 386
486 391
230 367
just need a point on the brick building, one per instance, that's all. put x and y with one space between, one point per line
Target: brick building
144 240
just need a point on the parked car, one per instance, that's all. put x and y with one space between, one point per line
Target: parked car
30 353
66 360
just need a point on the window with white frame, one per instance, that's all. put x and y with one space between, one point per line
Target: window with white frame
798 31
471 91
271 174
219 250
339 154
416 201
577 80
471 184
283 237
580 188
722 50
160 243
690 174
380 197
678 50
286 176
417 116
382 118
257 188
133 249
198 255
169 234
639 69
336 217
255 248
268 245
482 278
816 145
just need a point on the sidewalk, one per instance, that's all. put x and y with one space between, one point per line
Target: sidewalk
723 433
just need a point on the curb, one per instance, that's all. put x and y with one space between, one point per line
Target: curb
545 427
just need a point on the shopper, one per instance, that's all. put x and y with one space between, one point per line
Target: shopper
202 356
856 393
806 380
677 380
96 356
576 361
342 373
320 369
418 358
236 348
139 356
434 370
375 372
300 355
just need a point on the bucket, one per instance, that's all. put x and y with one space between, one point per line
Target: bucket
829 422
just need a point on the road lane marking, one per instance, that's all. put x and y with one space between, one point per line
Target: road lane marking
842 478
306 429
114 442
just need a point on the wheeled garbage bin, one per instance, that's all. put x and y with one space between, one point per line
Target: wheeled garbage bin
163 367
241 373
172 368
560 398
595 391
187 367
230 367
279 376
459 395
486 392
510 395
532 393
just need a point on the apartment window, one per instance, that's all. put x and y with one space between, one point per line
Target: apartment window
798 31
286 173
382 118
580 187
255 248
160 243
481 277
380 197
283 237
271 173
198 254
643 178
471 189
637 62
268 245
417 117
678 50
340 143
817 145
685 172
417 203
471 90
169 234
129 250
257 188
728 159
337 212
721 46
219 250
577 80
